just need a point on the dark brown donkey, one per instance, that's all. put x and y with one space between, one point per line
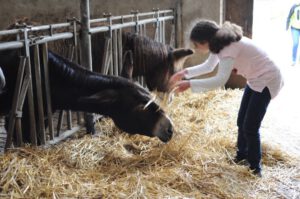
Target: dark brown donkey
75 88
145 57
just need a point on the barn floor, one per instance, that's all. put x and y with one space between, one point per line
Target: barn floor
196 163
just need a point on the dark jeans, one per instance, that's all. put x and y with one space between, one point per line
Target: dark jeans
252 111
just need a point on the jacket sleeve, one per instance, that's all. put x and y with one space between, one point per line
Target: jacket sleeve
206 67
222 76
288 20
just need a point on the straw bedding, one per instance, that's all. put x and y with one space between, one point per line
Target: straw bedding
196 163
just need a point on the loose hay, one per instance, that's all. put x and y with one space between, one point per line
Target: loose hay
196 163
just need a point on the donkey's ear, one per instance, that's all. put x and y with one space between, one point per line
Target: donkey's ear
181 53
103 97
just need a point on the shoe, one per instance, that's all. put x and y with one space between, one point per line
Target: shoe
293 64
256 172
241 161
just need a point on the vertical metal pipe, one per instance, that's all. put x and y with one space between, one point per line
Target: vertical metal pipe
120 50
71 50
106 56
75 58
85 41
69 119
60 122
86 52
48 90
39 94
12 116
33 136
163 32
115 52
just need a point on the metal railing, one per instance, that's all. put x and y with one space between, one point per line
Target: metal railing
27 37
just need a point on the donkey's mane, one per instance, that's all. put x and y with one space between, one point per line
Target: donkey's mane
148 53
79 76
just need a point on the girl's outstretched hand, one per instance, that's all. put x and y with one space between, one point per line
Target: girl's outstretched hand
176 77
181 86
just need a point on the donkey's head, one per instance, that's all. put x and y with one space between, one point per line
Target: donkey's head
132 110
155 61
158 78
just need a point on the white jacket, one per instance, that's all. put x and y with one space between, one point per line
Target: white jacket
248 59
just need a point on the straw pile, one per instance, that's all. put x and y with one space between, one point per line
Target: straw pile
197 163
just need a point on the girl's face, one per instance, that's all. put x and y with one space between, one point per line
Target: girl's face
201 47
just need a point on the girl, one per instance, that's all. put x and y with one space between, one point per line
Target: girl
232 51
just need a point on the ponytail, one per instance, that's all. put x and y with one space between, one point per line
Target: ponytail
227 34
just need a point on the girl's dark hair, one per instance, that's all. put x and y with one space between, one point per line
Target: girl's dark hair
217 36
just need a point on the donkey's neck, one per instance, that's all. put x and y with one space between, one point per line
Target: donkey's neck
70 83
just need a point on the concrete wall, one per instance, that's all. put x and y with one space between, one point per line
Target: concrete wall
54 11
192 11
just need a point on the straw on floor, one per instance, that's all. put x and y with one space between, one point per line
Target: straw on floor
196 163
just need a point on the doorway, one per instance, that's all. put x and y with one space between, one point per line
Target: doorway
281 123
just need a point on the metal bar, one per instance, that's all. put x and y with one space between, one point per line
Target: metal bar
75 58
164 32
35 28
69 119
39 94
64 135
106 55
60 122
145 29
48 90
68 35
86 51
32 120
69 113
20 103
46 39
12 116
23 92
50 26
111 59
130 16
10 32
128 24
115 53
156 34
161 31
120 50
11 45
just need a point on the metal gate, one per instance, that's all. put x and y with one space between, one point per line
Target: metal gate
79 51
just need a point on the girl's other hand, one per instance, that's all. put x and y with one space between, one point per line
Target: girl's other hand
182 86
176 77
